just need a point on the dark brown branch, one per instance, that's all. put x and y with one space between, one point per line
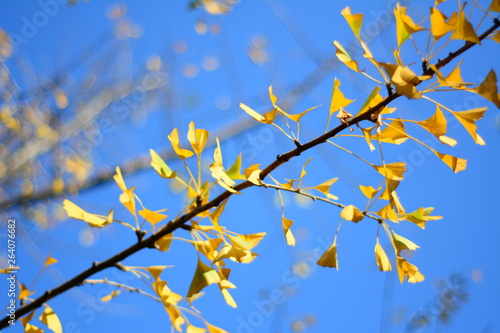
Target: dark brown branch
181 221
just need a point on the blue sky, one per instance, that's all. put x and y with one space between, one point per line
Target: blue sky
209 74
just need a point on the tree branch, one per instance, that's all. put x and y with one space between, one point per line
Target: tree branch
182 220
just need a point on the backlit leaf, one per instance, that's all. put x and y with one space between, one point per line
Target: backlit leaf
369 191
155 271
193 329
405 269
174 140
392 171
439 26
252 173
351 213
49 318
286 223
373 99
421 216
383 262
163 244
404 25
203 276
151 216
214 329
343 56
495 6
468 119
393 133
463 30
354 20
234 172
324 188
77 213
402 243
267 118
338 100
109 297
50 261
488 89
298 116
329 258
218 171
197 137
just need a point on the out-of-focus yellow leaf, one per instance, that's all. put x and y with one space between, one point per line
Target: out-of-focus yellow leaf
24 291
197 137
49 318
203 276
439 26
8 270
463 30
405 269
252 173
468 119
218 7
174 140
392 171
494 6
5 45
151 216
421 216
329 258
402 243
369 191
496 37
228 298
383 262
404 25
234 172
488 89
77 213
286 223
267 118
50 261
343 56
351 213
28 328
109 297
393 133
214 329
193 329
61 99
163 244
338 100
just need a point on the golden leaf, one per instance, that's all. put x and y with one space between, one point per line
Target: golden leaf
234 172
338 100
404 25
392 171
439 26
421 216
393 133
49 318
468 119
344 57
174 140
463 30
488 88
203 276
383 262
402 243
151 216
351 213
109 297
252 173
369 191
77 213
286 223
405 269
329 258
197 137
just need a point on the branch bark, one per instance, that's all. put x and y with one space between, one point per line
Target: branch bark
181 221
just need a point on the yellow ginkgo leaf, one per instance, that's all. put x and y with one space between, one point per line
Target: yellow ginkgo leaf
369 191
402 243
197 137
394 132
203 276
383 262
338 100
160 166
404 25
208 247
286 223
218 171
298 116
351 213
496 37
324 188
228 298
193 329
234 172
373 99
388 213
463 30
421 216
151 216
455 163
174 140
329 258
392 171
109 297
252 173
354 20
49 261
235 254
267 118
436 124
439 26
163 244
344 57
155 271
28 328
49 318
494 6
405 269
468 119
214 329
118 177
77 213
246 242
488 88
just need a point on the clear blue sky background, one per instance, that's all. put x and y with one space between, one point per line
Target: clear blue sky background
298 35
